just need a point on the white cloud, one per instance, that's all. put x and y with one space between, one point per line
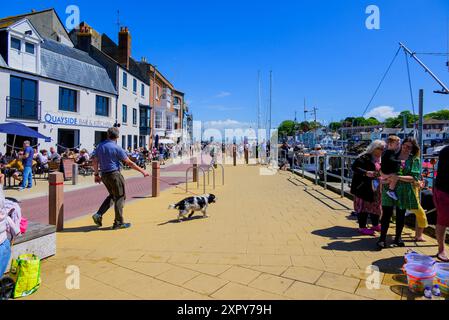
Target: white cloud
382 112
223 94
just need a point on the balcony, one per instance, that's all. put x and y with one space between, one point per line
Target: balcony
23 109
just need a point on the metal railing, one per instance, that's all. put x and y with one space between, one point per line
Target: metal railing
197 180
17 108
321 167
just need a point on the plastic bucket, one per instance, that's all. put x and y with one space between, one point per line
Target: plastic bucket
442 277
414 257
419 276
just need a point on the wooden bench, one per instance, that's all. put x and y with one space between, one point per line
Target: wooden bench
40 239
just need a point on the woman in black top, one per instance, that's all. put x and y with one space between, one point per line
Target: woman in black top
365 187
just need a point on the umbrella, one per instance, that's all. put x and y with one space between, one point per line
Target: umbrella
19 129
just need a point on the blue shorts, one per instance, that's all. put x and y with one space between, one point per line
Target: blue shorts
5 255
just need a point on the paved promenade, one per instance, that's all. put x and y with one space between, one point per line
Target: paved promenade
268 237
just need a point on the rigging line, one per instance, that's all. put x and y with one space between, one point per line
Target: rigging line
410 82
381 81
444 54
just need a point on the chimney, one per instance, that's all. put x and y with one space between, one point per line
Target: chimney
84 37
124 47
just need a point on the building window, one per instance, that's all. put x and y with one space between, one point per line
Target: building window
176 101
158 120
29 48
134 85
67 99
134 116
135 142
123 142
16 43
23 102
102 106
125 79
130 142
169 124
142 90
157 93
124 114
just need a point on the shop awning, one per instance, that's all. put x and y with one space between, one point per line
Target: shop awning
19 129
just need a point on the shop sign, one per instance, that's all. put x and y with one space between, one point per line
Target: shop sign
73 121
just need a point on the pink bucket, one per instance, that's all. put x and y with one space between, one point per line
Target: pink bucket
23 225
419 276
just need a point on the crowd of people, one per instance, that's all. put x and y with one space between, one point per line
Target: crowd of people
387 180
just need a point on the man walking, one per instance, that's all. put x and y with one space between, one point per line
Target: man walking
27 161
108 156
441 199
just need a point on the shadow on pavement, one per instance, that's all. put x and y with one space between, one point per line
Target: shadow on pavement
183 220
391 265
368 244
85 229
337 232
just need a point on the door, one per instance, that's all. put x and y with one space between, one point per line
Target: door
67 139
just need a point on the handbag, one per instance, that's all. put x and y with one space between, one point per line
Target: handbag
6 288
25 271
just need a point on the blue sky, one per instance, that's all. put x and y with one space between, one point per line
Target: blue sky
212 50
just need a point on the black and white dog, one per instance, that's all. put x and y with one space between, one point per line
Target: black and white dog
192 204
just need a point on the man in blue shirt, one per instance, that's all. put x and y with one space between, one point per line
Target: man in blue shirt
27 161
109 157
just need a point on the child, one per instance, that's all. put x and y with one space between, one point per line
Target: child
391 165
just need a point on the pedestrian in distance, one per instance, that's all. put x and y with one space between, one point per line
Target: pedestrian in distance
107 159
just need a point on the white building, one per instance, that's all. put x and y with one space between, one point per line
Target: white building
53 88
132 85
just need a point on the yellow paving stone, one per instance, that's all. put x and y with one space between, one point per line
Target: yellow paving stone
271 283
275 260
382 293
184 258
345 262
360 273
314 262
44 293
276 270
177 275
147 268
303 274
235 291
240 275
306 291
289 229
338 282
339 295
155 257
205 284
127 255
210 269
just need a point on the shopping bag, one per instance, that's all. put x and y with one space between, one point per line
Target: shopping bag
25 271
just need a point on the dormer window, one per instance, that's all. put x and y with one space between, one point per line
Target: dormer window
29 48
15 43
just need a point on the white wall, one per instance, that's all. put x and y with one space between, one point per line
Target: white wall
87 122
131 100
23 60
